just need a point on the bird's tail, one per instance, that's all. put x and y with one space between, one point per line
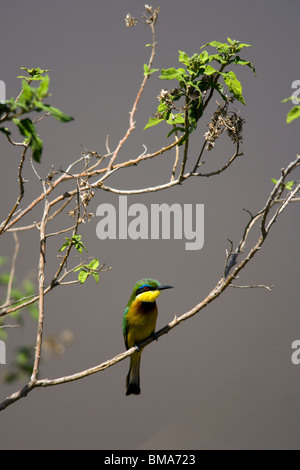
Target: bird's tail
133 376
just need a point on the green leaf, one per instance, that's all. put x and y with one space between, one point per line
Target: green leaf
162 107
152 122
218 57
65 245
289 185
221 47
26 96
56 113
77 269
148 71
93 264
76 241
184 58
82 276
209 70
180 129
34 73
240 46
173 74
88 269
176 119
290 98
294 113
42 90
27 129
212 44
219 87
234 85
239 61
204 57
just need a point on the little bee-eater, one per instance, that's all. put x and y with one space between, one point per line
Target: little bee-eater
139 321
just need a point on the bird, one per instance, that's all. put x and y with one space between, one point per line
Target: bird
139 322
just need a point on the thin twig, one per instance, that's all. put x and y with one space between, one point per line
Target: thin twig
21 189
257 286
135 104
13 267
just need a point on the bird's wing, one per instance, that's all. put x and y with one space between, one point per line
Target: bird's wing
125 327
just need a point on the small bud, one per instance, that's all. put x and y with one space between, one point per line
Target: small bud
130 21
163 94
149 9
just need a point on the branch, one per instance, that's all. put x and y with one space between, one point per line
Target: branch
223 168
137 99
220 287
41 279
21 189
264 229
258 286
12 271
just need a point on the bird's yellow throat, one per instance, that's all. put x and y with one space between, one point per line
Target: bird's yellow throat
149 296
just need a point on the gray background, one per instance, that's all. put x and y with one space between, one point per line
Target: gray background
225 378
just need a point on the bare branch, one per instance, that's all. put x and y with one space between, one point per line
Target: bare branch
137 99
258 286
21 189
12 271
41 280
9 326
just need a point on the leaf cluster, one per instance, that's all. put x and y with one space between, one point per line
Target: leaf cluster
196 82
30 100
87 270
76 242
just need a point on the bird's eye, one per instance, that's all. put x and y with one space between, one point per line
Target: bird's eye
142 289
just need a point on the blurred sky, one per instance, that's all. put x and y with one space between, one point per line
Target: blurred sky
223 379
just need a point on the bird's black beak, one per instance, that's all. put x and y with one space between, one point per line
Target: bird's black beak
164 287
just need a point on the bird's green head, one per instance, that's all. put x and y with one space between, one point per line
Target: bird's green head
147 290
